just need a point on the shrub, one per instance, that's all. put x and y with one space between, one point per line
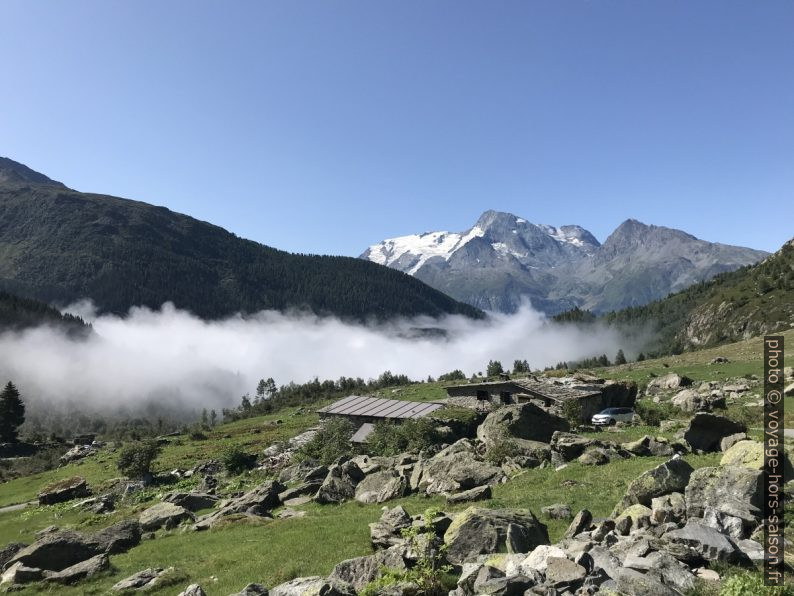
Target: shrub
135 459
391 438
330 443
499 452
652 413
236 461
572 411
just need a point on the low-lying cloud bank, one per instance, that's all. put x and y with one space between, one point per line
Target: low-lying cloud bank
177 359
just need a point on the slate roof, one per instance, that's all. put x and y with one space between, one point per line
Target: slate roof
375 407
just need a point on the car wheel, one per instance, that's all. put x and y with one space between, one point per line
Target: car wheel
612 422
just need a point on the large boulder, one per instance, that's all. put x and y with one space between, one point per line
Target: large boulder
732 490
671 476
59 549
669 381
360 571
706 431
454 469
162 515
117 538
340 483
64 490
648 445
571 445
707 542
522 421
478 531
381 486
80 570
387 531
750 454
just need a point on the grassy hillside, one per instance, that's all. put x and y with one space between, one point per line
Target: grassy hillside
225 558
732 306
59 245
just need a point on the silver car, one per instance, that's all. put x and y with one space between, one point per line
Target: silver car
612 416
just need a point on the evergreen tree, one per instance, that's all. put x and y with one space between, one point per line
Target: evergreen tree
520 366
204 417
260 390
620 358
494 368
213 417
12 413
245 403
640 357
270 388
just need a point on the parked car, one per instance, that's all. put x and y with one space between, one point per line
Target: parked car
612 416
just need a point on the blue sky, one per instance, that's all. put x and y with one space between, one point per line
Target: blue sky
327 126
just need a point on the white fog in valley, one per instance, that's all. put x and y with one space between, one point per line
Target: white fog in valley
174 358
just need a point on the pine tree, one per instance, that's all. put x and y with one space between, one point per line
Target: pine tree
620 358
12 413
261 387
213 417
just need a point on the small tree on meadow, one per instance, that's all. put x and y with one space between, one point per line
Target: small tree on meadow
620 358
12 413
135 459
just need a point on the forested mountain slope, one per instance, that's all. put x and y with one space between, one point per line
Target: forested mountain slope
59 245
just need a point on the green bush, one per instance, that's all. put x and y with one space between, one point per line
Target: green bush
136 459
652 413
499 452
330 443
455 375
236 461
391 438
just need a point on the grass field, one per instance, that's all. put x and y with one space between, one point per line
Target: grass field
224 559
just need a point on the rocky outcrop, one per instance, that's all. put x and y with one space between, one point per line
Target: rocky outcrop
340 483
731 490
671 476
454 469
192 501
256 502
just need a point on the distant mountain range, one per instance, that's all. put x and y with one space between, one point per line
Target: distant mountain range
59 245
504 259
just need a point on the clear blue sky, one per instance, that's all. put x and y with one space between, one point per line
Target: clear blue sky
327 126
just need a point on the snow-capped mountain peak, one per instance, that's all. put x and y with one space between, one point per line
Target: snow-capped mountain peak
509 236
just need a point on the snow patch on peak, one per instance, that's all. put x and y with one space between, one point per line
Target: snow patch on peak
421 246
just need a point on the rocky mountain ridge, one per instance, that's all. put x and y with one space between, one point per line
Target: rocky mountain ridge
504 259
